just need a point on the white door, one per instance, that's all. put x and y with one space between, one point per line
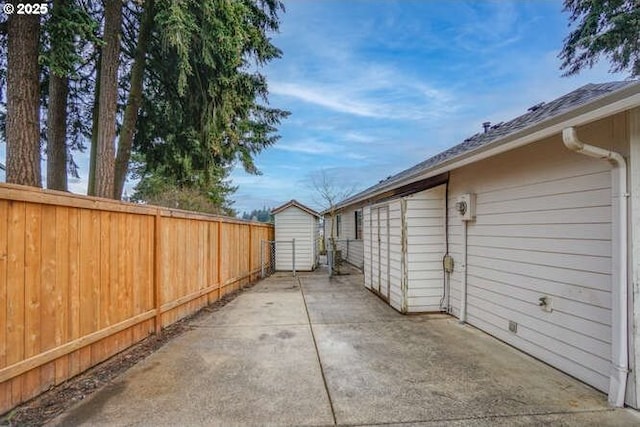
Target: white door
366 235
383 251
379 241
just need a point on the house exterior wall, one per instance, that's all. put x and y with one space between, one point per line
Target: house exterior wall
543 228
352 248
634 264
425 225
294 223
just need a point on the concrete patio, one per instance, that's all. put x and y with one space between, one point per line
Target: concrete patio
314 351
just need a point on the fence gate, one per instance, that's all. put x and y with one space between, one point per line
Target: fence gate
277 255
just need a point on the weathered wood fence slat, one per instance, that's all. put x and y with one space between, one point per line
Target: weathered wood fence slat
83 278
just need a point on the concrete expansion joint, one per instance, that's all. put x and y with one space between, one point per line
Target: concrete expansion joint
315 345
248 325
478 418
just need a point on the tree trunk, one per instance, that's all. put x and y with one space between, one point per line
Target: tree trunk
57 110
93 149
332 241
57 133
23 100
105 160
125 141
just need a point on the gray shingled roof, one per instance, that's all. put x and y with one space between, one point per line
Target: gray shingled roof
535 115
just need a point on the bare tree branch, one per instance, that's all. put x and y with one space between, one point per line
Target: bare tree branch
328 192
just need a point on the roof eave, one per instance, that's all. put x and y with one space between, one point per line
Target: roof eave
609 105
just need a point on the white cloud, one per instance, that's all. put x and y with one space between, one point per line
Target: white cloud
307 147
377 98
326 97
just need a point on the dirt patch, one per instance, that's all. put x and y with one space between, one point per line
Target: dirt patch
60 398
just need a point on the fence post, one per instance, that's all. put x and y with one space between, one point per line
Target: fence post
261 259
157 270
250 254
293 246
219 260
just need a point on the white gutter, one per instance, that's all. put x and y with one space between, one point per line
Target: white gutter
619 344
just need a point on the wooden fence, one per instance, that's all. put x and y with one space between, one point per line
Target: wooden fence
82 279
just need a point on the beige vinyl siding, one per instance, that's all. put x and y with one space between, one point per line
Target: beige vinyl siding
425 249
543 228
294 223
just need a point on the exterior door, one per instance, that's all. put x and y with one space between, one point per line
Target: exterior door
383 252
379 240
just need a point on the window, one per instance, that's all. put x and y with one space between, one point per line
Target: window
338 225
358 219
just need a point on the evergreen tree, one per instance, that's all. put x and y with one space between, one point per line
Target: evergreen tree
609 28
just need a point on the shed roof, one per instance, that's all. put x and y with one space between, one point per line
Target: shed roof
535 117
297 204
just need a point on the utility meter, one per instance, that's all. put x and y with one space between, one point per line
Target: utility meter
466 206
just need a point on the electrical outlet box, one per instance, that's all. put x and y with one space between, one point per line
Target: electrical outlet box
513 327
466 206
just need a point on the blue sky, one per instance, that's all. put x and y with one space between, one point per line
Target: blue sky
376 86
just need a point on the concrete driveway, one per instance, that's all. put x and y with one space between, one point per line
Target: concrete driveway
314 351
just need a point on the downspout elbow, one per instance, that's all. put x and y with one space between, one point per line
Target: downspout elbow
573 143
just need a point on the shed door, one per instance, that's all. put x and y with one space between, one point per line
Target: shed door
383 251
380 251
366 235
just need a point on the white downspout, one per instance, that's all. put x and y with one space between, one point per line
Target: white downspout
619 353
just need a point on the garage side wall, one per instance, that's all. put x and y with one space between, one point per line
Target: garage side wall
543 229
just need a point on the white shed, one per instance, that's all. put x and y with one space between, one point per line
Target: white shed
295 222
